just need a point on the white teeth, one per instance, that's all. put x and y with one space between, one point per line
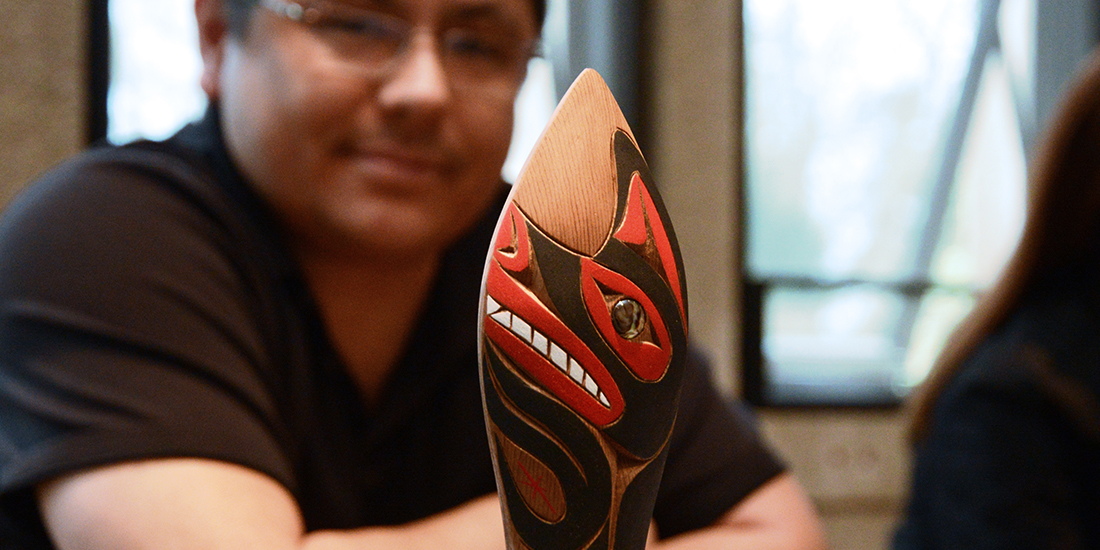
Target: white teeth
590 385
491 305
503 317
575 371
541 343
559 357
544 346
521 328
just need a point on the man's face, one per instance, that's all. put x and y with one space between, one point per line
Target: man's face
383 158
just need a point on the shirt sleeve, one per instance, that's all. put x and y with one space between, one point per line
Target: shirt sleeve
716 456
122 329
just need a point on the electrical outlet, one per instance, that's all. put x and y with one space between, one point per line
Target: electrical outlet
843 455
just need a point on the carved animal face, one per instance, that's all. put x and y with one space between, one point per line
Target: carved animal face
582 357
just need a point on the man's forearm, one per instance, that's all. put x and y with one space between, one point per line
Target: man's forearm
181 504
475 525
777 516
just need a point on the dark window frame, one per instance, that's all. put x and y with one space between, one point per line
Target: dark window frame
98 76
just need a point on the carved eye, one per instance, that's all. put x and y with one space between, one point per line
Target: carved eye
628 318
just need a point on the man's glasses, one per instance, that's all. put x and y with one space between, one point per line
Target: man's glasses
484 58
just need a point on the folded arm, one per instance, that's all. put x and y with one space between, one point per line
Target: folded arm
777 516
194 503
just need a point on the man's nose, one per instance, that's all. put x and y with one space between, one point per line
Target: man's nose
419 81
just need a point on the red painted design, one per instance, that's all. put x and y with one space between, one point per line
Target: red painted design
633 230
536 487
512 251
642 223
512 248
647 360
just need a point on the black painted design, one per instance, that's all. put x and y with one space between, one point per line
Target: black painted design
574 468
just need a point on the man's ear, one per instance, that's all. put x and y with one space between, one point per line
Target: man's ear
213 35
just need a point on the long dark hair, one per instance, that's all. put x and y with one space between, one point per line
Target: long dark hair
1063 221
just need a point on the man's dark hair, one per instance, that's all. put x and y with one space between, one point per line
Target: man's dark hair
241 10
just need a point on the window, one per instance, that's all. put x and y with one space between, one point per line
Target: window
885 183
154 69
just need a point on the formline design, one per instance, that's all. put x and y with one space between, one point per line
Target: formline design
583 335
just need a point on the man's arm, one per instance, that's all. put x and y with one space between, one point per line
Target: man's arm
194 503
776 516
180 504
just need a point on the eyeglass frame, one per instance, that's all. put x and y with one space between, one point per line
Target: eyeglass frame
311 14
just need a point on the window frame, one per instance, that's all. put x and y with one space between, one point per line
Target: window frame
1065 33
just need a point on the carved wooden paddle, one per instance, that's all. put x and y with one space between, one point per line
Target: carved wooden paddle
583 335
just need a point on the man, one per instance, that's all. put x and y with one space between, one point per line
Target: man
261 333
